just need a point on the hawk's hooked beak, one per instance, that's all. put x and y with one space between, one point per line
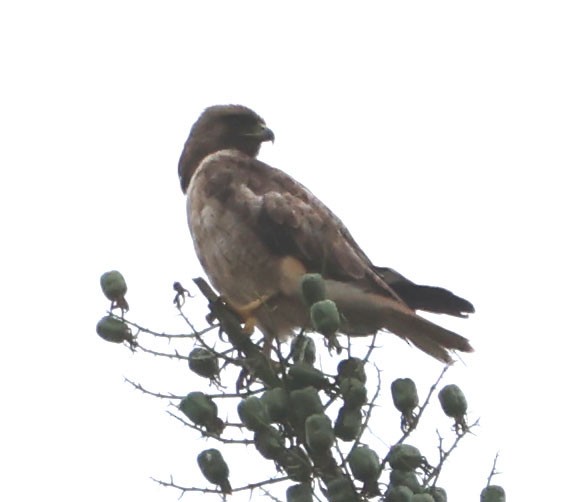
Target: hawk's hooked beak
262 133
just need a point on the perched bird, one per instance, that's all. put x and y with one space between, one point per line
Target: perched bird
257 231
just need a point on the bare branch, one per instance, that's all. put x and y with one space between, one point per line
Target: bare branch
250 486
427 399
267 494
158 334
493 472
175 355
444 454
211 434
370 347
139 387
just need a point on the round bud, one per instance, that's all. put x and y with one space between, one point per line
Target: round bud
299 493
214 468
493 493
404 393
319 433
203 362
114 330
453 402
253 414
405 457
325 317
113 285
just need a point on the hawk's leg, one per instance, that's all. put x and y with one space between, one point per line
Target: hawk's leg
247 312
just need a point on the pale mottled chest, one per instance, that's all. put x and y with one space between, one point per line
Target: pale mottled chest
238 264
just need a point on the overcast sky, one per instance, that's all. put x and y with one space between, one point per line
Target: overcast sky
446 135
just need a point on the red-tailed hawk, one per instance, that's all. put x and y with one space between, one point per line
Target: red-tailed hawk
257 231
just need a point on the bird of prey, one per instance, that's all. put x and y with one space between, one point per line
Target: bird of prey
257 231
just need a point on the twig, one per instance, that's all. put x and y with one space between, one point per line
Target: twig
267 494
370 347
210 434
175 355
250 486
139 387
142 329
200 340
422 409
493 472
443 455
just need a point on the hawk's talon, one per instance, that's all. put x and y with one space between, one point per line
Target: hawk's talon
246 313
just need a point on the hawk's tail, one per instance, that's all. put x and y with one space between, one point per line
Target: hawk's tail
427 336
365 313
428 298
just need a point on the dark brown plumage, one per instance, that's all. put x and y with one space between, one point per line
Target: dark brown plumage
257 231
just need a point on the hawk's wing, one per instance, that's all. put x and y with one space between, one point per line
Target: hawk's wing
290 220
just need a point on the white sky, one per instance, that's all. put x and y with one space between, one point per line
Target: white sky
446 135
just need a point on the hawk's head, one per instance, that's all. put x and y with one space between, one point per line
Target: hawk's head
221 127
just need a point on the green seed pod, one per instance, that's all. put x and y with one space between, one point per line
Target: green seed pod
325 317
493 493
114 330
296 464
405 478
114 288
303 350
299 493
215 469
353 392
422 497
404 394
253 414
204 363
405 457
305 402
113 285
319 433
313 289
439 494
302 375
453 402
341 490
202 411
366 467
399 493
353 367
269 442
348 424
276 402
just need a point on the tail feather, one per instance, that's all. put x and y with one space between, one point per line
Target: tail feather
427 336
429 298
366 313
433 299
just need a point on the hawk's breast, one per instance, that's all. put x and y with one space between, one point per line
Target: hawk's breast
238 264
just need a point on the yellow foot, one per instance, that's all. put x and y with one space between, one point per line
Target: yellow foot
247 313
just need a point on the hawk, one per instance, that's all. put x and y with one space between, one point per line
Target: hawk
257 231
